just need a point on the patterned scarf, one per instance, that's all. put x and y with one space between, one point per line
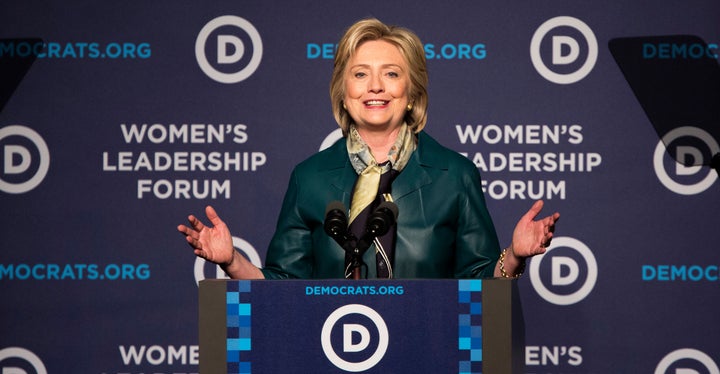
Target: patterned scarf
373 186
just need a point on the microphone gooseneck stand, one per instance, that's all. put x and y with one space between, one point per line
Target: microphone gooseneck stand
336 226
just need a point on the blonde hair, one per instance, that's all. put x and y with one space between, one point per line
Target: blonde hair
412 51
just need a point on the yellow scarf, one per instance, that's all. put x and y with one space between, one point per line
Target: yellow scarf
366 187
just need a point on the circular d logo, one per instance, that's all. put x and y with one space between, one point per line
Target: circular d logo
350 332
225 35
25 159
566 50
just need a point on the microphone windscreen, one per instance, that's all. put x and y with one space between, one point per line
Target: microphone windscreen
390 206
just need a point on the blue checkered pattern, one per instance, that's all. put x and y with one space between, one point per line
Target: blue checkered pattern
239 315
470 326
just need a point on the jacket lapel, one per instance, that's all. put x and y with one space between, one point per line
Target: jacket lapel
417 173
336 169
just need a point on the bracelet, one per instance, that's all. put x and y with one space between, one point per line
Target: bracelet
504 274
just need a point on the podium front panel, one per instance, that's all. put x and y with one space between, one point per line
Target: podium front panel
371 326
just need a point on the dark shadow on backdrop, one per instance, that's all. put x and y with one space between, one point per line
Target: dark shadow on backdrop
676 79
16 57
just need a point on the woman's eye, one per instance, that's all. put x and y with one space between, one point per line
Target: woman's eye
359 75
393 74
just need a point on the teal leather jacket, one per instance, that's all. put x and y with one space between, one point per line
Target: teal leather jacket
443 227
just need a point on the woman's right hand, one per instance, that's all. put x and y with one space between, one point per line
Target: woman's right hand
214 243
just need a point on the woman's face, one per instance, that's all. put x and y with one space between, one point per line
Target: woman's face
376 86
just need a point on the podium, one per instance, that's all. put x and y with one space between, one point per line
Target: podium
369 326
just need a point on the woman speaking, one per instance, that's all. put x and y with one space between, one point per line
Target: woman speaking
443 229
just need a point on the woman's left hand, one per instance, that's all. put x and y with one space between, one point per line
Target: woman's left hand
532 237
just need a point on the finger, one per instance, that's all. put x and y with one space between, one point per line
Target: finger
553 220
534 211
196 223
548 239
213 216
548 221
190 233
200 253
194 243
186 231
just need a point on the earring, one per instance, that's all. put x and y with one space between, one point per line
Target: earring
344 106
409 107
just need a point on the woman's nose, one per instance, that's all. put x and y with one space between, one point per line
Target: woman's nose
375 84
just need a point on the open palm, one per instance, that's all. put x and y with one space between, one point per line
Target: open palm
532 237
213 243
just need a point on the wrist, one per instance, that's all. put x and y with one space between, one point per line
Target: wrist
511 258
228 264
511 266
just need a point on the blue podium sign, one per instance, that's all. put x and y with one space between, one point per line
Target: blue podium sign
358 326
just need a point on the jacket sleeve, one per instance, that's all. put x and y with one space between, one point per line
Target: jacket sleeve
290 252
478 248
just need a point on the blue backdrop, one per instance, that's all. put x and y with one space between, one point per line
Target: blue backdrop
133 115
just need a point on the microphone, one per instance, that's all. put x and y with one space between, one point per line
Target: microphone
382 219
336 226
336 222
